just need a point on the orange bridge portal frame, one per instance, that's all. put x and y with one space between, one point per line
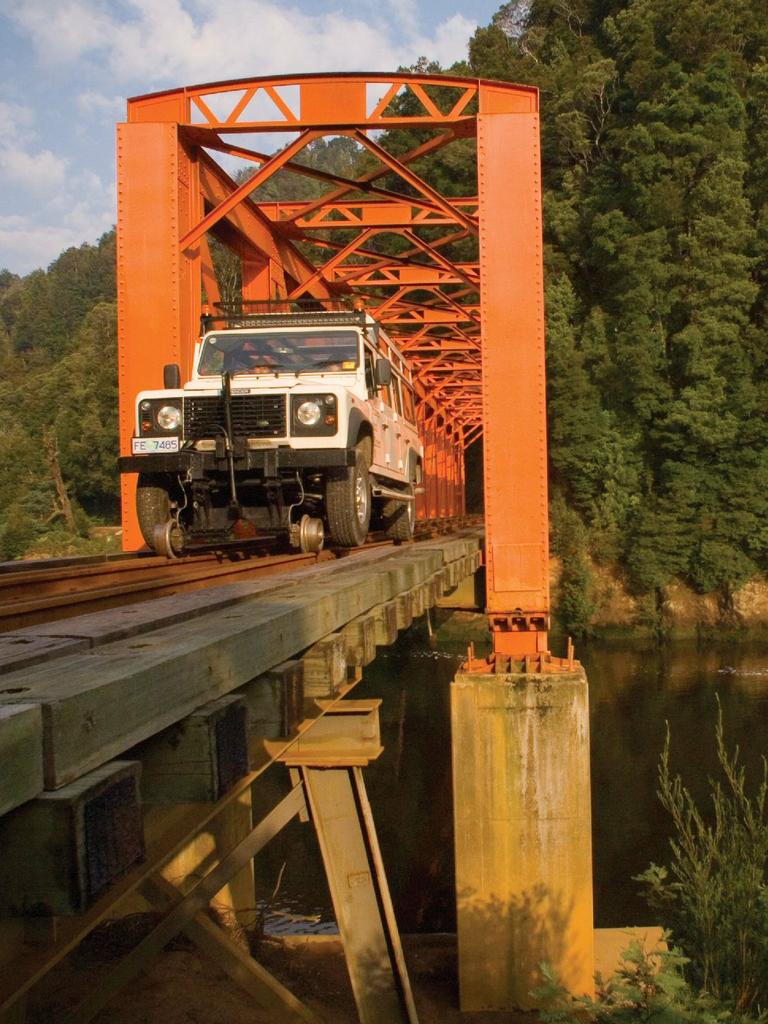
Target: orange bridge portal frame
456 280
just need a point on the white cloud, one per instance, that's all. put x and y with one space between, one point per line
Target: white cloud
111 107
188 41
15 119
62 30
76 215
34 171
450 41
405 13
22 163
24 245
57 205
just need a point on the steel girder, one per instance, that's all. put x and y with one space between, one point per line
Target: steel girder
456 280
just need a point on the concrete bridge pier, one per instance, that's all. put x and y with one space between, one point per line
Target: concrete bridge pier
523 835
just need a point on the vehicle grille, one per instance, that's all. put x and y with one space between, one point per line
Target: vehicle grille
252 416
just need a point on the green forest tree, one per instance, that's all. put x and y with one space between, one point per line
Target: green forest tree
653 114
58 398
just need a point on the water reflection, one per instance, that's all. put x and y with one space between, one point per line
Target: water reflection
410 785
634 692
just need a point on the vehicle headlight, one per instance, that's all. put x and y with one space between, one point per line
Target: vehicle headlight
309 413
168 417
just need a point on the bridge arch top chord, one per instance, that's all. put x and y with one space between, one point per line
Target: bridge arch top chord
291 102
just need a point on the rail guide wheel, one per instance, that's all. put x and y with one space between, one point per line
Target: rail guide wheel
167 539
308 535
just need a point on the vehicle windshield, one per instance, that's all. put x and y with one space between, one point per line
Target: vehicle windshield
266 351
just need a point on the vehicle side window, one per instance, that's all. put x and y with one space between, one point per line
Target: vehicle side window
397 404
408 408
370 380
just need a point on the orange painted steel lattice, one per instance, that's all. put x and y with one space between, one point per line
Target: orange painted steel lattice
455 280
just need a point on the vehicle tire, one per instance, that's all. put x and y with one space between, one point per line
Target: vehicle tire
153 505
398 518
348 500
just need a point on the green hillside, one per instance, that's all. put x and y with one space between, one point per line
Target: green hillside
58 402
655 139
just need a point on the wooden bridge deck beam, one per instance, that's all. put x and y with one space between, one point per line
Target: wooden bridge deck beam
99 703
170 830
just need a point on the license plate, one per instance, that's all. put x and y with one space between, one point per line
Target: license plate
148 445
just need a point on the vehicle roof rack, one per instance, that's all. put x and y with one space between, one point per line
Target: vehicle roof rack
282 313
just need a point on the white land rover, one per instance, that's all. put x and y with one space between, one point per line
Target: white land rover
292 424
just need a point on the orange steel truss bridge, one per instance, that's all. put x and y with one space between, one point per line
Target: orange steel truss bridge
456 280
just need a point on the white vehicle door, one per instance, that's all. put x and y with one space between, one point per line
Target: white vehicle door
381 417
400 426
388 423
409 430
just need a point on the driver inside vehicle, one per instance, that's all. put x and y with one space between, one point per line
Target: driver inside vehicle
251 359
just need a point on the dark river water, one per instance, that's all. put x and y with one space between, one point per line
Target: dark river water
635 692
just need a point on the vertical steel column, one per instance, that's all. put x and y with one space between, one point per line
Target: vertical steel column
450 472
454 453
422 500
257 280
512 308
159 290
442 468
263 277
430 463
462 481
450 465
523 838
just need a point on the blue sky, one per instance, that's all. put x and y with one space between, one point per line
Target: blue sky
66 67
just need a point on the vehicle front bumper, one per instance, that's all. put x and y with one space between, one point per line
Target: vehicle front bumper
264 461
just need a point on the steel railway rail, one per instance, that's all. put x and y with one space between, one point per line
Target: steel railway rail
50 590
46 594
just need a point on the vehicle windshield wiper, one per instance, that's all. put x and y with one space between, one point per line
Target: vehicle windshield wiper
278 368
322 365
